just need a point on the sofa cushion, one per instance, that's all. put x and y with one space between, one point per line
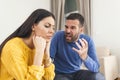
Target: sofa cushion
102 51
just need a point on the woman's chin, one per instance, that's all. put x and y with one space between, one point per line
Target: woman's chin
48 40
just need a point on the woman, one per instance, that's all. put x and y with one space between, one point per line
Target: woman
25 53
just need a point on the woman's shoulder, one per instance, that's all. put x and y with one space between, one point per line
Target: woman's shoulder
14 42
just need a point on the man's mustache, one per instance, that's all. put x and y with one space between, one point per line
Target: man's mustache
67 33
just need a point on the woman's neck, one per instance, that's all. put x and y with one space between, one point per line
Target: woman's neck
28 42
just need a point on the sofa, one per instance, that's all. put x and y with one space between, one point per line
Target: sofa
108 63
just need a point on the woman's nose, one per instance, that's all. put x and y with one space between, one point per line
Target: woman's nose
52 30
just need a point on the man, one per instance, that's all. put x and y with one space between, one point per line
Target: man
70 48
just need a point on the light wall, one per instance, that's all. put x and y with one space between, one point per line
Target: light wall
106 25
14 12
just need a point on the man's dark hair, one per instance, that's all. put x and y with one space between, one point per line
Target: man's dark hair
74 16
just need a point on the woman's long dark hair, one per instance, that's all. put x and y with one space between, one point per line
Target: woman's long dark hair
25 30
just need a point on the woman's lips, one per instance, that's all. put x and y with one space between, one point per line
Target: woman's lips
49 37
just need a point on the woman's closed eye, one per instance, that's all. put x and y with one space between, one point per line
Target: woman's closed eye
47 26
50 26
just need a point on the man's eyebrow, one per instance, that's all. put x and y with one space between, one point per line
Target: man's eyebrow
73 26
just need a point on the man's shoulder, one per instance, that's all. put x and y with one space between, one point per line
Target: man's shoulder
59 33
85 36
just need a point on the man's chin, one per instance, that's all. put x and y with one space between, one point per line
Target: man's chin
68 40
71 40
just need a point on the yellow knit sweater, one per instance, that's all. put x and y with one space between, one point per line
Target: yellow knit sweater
17 63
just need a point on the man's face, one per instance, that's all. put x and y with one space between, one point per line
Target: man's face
72 30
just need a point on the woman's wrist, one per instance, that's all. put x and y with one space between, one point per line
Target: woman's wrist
47 62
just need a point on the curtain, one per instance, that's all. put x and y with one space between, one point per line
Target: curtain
83 6
57 8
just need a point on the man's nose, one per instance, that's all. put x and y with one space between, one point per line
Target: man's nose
68 30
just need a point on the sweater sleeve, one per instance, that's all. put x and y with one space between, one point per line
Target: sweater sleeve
49 72
14 61
92 62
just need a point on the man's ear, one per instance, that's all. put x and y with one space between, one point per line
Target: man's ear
81 29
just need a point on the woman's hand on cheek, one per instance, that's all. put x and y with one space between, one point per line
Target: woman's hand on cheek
39 43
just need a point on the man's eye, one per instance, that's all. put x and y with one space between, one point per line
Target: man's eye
72 28
54 28
66 26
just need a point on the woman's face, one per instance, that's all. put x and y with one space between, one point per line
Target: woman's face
45 28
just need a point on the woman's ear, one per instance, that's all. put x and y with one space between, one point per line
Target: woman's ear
33 29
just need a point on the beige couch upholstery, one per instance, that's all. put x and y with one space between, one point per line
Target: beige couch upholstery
108 63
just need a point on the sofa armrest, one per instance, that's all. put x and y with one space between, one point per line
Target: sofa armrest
109 67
